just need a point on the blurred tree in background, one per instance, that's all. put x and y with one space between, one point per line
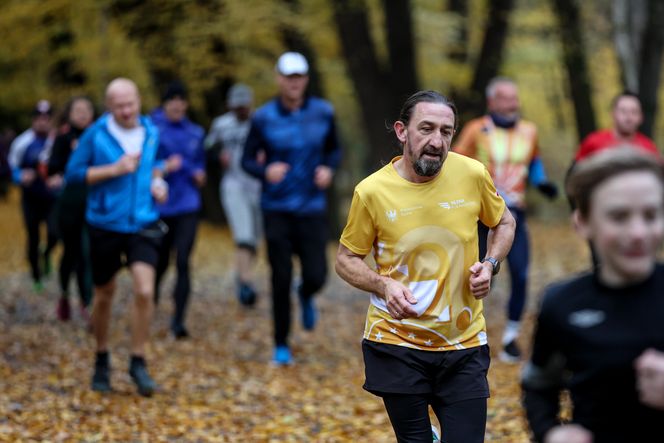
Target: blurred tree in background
569 58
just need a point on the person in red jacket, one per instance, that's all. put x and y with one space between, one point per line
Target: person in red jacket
627 117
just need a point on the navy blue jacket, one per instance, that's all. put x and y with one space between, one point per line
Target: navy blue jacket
30 159
120 204
186 139
305 139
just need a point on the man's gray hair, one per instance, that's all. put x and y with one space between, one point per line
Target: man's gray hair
493 84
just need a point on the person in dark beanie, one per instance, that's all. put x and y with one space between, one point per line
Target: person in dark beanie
181 149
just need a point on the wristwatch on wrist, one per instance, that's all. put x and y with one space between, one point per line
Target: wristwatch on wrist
495 263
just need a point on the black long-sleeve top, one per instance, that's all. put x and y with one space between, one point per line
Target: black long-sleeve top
62 148
588 337
73 196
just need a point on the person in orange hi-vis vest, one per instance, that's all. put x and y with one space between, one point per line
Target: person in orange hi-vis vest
507 145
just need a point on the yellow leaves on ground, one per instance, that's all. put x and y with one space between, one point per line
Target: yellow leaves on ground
219 386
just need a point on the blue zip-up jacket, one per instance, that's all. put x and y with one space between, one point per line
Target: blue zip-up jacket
304 138
120 204
186 139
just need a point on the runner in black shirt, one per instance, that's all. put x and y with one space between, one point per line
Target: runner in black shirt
591 330
70 210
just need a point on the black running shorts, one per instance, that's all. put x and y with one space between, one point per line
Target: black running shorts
451 376
110 251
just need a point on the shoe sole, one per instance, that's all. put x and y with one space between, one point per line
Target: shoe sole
280 363
145 392
102 389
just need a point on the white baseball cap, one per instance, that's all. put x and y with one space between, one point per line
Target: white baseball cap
291 63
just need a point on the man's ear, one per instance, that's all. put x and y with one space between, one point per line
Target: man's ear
400 130
580 225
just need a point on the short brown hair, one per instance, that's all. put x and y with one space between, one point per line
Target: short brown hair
590 173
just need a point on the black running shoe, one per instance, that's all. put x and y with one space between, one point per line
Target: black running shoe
511 353
101 379
64 309
246 295
139 374
180 332
309 312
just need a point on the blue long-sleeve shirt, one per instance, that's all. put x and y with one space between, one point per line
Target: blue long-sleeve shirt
536 172
304 139
185 139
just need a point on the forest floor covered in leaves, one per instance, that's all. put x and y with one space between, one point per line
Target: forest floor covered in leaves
219 384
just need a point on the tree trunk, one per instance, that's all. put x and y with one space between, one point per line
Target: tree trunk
401 45
459 50
638 27
379 94
471 102
629 19
295 41
575 63
651 64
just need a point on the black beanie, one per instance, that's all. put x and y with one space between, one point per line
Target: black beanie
175 89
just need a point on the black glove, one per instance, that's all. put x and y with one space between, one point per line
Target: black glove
550 190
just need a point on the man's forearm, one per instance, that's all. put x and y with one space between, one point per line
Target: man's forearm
356 272
501 237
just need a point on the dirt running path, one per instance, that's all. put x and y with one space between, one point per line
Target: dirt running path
219 386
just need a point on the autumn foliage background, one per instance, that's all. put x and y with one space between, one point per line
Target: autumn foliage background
366 57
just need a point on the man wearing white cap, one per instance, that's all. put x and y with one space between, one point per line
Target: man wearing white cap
293 148
240 192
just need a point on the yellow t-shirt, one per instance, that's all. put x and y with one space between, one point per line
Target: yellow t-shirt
425 236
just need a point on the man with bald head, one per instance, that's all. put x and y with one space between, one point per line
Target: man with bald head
116 158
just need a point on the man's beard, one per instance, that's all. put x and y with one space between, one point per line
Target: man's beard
425 167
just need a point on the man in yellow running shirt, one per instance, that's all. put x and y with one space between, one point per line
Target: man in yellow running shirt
425 337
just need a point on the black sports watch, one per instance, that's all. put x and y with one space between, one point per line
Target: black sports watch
495 263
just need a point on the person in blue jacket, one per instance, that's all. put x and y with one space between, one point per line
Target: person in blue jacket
292 147
116 158
181 148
